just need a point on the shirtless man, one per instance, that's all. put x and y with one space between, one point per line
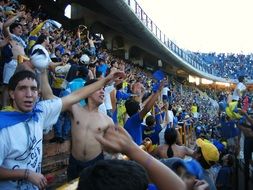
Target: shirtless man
12 30
91 42
87 122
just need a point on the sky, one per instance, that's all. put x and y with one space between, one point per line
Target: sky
223 26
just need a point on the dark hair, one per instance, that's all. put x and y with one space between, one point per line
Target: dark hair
114 175
119 86
113 62
76 56
14 80
170 136
240 78
83 72
41 39
92 65
13 26
57 49
150 120
65 54
88 83
202 160
132 107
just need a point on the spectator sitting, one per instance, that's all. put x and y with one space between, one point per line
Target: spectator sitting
171 149
12 30
151 130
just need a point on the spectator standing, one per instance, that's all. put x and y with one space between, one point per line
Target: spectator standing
12 30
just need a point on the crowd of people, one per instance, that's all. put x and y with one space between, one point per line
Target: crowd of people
229 66
121 119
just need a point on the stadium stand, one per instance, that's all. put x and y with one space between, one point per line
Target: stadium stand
112 122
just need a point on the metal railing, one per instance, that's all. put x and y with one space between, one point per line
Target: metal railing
190 58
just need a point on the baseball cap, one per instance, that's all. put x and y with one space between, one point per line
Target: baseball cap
85 59
209 151
192 166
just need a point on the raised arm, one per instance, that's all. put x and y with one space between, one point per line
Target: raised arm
46 90
9 22
88 35
152 99
116 139
249 119
248 132
76 96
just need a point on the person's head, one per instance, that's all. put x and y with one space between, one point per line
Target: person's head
97 97
241 78
150 121
16 28
132 107
114 175
76 58
170 136
228 160
65 58
23 90
43 39
57 52
114 64
206 153
187 170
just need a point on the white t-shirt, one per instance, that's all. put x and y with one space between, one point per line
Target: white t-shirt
62 69
170 120
170 116
108 102
165 91
21 144
241 87
102 108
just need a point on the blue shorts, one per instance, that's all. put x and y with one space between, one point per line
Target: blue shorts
76 166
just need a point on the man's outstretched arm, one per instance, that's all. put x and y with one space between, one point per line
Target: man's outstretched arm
68 101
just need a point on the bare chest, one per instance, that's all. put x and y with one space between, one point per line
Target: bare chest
91 121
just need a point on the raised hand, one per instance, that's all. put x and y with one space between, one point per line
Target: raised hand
201 185
115 140
117 77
